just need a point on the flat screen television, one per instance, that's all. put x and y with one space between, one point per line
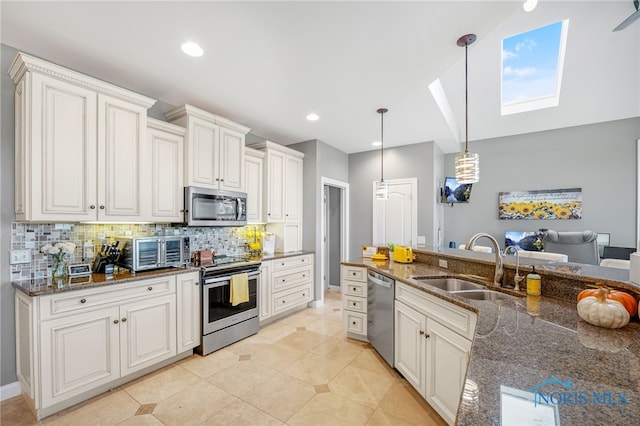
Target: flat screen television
454 192
524 240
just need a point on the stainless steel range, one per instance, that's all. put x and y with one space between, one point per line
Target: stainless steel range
223 323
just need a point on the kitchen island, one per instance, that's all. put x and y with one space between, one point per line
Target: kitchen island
534 359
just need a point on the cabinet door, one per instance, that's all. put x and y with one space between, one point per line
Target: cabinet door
447 358
122 153
264 293
167 192
147 333
202 151
59 133
410 326
78 353
188 298
253 167
275 186
231 160
293 189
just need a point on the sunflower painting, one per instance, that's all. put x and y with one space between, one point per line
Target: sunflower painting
544 204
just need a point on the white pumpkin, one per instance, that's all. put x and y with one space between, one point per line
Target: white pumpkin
603 312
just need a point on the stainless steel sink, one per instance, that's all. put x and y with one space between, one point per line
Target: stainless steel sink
484 295
450 284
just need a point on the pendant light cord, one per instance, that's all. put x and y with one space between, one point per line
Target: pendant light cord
466 98
381 111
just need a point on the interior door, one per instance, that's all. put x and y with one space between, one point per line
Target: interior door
395 220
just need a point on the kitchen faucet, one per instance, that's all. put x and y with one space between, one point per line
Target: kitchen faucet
517 278
497 279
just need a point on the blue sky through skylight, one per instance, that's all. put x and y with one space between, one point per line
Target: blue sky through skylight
530 64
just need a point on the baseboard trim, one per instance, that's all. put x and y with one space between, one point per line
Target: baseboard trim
10 390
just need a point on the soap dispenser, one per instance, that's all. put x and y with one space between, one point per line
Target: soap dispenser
534 283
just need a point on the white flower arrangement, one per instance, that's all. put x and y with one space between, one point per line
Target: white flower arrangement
58 248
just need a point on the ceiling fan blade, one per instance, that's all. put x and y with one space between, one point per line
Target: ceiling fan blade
631 19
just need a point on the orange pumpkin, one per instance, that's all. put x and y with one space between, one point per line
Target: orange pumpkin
627 300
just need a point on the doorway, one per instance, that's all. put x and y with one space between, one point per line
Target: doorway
334 231
395 220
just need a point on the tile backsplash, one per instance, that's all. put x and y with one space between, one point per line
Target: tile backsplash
89 237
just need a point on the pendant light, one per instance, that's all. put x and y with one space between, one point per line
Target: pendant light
467 164
382 189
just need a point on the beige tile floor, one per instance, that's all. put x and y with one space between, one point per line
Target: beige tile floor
301 370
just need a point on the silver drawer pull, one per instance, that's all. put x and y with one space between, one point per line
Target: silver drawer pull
83 300
149 288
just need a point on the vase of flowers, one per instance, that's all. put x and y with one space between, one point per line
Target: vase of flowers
58 251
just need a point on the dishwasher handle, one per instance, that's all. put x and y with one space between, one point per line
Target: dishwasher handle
380 282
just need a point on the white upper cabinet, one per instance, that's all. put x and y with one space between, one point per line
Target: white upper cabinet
166 144
214 149
253 171
79 146
283 183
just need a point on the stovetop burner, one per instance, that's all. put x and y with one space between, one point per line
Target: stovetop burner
228 262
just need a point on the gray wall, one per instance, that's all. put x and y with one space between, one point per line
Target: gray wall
333 234
7 216
320 160
599 158
400 162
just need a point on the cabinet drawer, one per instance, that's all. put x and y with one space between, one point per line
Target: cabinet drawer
354 304
81 300
290 278
353 273
456 318
354 288
355 322
291 299
292 262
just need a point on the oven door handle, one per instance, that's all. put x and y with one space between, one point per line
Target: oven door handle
239 210
220 281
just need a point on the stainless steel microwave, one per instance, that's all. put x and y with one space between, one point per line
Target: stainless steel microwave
214 207
144 253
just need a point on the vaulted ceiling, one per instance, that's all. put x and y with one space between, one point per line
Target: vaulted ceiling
268 64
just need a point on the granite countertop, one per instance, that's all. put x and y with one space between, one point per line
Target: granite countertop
44 286
532 344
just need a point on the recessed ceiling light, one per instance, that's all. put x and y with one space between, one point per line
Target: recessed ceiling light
313 117
192 49
376 143
529 5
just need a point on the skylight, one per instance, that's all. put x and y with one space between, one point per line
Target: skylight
532 65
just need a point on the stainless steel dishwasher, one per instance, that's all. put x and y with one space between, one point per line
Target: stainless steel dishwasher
380 323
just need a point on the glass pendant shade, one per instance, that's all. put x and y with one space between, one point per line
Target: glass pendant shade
382 190
468 167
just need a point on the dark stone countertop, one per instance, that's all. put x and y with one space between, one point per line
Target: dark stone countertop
521 345
45 286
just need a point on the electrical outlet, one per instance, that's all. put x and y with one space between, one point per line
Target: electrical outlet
443 263
19 256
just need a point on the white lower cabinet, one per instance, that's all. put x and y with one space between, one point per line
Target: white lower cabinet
432 346
287 284
73 345
353 285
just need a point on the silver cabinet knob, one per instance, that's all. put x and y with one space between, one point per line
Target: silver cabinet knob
92 206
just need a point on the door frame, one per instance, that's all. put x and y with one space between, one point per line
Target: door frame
344 225
414 207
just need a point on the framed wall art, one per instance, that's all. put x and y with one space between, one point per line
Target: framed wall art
543 204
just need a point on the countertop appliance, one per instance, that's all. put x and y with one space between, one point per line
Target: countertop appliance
223 323
380 314
402 254
214 207
145 253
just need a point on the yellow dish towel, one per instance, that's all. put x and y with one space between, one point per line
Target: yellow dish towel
239 289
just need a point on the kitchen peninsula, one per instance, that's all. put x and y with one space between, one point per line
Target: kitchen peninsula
534 358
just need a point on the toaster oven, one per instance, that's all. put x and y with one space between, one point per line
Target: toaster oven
145 253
